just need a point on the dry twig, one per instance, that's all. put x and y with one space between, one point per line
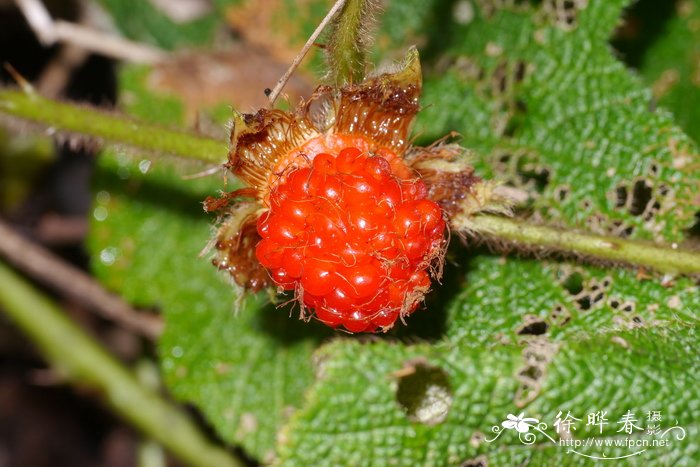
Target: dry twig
304 50
50 270
50 31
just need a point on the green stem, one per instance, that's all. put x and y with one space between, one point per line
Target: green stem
111 127
528 236
542 238
84 362
347 43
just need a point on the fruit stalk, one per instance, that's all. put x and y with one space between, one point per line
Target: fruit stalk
539 238
86 121
348 42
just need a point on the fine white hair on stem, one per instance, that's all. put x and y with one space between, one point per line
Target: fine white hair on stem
350 40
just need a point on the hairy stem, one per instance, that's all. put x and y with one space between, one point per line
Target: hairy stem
84 362
85 121
110 127
348 42
538 237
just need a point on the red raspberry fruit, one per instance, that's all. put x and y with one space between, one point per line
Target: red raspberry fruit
354 236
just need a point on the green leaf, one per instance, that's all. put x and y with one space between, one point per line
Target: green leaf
352 415
550 109
368 424
143 22
537 92
243 363
141 102
506 300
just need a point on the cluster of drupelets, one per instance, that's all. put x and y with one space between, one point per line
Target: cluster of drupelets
354 239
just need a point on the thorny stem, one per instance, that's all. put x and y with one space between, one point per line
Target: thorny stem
304 50
84 362
110 127
347 43
523 235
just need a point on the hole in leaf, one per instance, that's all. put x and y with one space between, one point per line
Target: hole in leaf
561 193
528 391
651 212
560 316
424 393
499 79
535 328
520 69
694 231
517 118
536 357
620 196
504 158
490 7
531 174
584 303
541 179
569 12
532 372
564 12
654 169
480 461
622 230
573 283
641 195
597 298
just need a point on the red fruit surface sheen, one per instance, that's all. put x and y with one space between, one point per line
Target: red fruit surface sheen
353 237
